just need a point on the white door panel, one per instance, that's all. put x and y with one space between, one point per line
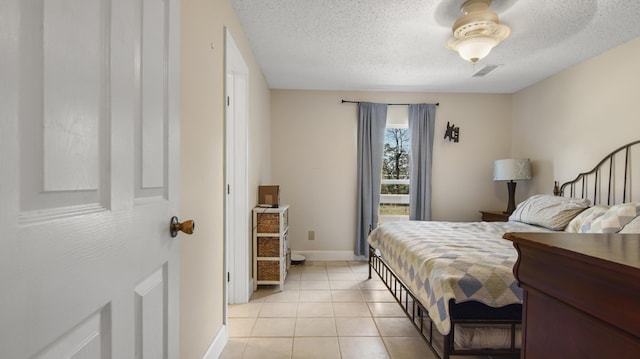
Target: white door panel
87 340
153 94
150 315
88 178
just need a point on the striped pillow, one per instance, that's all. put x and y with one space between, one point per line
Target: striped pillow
615 218
549 211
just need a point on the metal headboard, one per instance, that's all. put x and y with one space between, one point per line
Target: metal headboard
611 180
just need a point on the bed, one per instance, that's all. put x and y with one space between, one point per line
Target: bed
455 280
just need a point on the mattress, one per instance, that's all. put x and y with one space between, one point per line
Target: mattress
457 262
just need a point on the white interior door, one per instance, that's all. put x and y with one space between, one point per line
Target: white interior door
88 178
237 220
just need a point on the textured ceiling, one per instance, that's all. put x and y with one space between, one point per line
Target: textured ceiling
399 45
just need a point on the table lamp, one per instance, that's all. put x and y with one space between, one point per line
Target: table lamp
511 170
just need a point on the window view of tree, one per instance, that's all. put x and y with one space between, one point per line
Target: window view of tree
394 190
395 164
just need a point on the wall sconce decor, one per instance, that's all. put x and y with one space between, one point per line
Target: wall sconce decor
452 132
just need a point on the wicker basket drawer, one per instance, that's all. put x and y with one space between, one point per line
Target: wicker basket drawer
268 247
269 270
268 222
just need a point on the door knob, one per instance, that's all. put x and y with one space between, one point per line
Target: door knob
186 226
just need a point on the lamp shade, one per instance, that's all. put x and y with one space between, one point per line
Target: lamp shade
511 169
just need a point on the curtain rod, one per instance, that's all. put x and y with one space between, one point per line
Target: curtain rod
389 104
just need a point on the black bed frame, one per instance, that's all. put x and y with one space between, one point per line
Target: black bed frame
611 179
609 182
442 346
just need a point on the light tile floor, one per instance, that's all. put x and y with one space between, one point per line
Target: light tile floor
325 310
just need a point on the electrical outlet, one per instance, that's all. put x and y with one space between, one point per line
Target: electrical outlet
312 235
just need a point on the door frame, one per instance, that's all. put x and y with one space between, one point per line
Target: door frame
236 210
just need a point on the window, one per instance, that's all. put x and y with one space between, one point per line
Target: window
394 188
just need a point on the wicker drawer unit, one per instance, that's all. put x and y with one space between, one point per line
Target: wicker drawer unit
271 253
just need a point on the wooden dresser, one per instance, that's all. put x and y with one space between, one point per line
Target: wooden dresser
581 294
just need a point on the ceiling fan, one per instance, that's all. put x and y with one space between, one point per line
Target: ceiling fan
477 31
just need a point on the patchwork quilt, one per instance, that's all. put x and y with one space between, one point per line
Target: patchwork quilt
464 261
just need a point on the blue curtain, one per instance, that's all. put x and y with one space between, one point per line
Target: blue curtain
421 126
372 118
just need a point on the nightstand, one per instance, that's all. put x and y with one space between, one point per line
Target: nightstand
494 216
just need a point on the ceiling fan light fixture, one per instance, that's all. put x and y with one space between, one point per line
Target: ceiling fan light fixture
475 48
477 31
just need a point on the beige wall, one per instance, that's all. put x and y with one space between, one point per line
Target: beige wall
314 159
568 122
202 116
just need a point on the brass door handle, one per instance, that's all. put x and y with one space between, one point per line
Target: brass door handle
186 226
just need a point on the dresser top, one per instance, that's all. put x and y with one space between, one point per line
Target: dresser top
280 208
622 249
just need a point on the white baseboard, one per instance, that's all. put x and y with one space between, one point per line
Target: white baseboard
216 347
330 255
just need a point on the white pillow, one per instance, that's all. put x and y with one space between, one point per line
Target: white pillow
582 222
616 217
549 211
632 227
